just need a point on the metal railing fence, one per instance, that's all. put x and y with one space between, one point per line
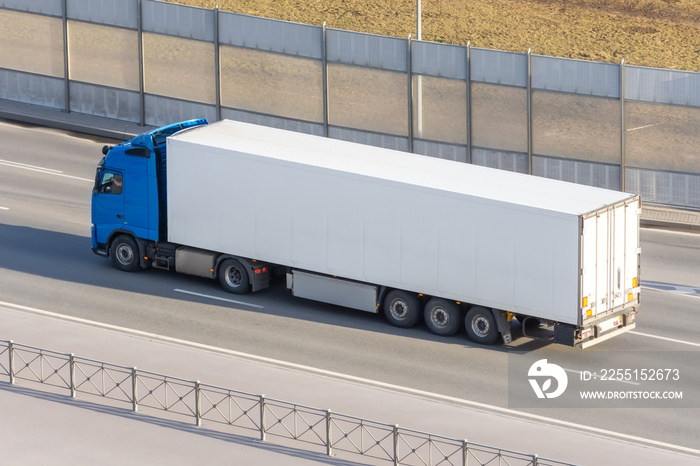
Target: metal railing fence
317 429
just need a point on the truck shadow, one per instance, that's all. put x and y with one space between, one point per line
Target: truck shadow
68 258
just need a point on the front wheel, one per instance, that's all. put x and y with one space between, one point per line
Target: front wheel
481 325
442 317
402 309
125 253
234 277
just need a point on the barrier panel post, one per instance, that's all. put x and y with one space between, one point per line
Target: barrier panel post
11 365
262 418
197 405
396 444
329 450
134 390
71 365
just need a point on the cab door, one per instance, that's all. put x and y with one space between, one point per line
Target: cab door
108 203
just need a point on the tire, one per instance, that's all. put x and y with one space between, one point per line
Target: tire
442 317
125 253
234 277
481 325
402 309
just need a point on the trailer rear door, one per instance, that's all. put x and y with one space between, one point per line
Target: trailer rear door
610 259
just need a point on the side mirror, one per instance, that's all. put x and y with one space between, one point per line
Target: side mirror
105 149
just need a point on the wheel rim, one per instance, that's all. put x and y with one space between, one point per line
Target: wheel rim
481 326
124 254
439 317
399 309
234 277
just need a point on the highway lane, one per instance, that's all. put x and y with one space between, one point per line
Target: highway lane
46 262
661 248
31 160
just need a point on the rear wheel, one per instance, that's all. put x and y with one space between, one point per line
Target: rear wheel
402 309
481 325
125 253
234 277
442 317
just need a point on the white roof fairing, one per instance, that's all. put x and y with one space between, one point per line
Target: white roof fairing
401 167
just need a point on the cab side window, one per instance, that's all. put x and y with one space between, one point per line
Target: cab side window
111 183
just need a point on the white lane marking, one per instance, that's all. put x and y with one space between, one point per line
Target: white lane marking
4 208
25 165
48 171
351 378
596 376
671 288
664 338
257 306
676 292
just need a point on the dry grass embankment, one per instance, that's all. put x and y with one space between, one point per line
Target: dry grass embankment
657 33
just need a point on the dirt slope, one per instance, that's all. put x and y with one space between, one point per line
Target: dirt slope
657 33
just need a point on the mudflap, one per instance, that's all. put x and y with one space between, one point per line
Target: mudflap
503 324
564 334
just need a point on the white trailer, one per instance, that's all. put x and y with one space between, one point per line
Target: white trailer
377 229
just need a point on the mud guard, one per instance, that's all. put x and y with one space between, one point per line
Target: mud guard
503 325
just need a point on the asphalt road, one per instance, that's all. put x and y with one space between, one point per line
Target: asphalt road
46 262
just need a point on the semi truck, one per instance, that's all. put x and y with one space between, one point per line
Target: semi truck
455 245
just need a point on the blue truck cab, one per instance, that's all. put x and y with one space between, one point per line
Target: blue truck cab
129 195
129 216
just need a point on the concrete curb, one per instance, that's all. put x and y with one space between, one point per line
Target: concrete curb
664 225
670 219
75 122
66 126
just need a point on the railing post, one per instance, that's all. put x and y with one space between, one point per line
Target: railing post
534 460
465 452
11 365
396 444
324 77
409 74
197 405
262 418
529 111
66 58
71 365
142 91
217 62
329 440
623 149
134 390
469 101
419 80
